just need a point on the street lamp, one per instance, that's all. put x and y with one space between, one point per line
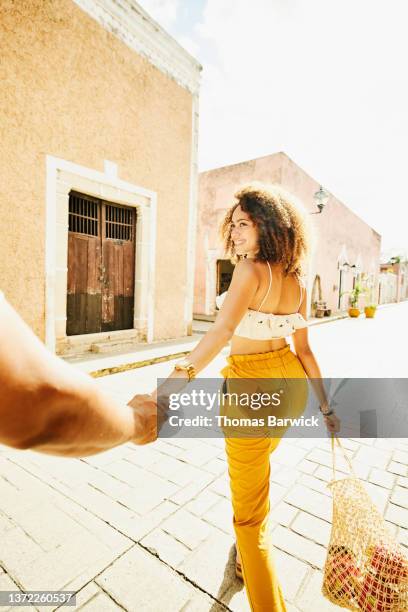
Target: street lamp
320 197
355 270
346 267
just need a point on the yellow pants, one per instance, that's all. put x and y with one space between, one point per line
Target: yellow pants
249 472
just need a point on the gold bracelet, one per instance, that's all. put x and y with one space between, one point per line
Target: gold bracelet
186 366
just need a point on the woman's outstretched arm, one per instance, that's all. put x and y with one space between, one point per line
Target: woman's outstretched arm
242 289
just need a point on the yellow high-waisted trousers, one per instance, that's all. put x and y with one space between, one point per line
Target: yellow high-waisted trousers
249 470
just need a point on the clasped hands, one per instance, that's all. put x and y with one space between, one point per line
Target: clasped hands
150 412
148 418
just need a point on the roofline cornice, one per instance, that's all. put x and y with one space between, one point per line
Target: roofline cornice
126 20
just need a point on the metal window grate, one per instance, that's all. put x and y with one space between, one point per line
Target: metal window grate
83 215
119 223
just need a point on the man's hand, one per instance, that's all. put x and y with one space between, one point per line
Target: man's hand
149 418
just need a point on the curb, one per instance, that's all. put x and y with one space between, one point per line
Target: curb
135 364
317 321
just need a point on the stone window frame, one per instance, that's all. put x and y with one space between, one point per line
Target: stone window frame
62 177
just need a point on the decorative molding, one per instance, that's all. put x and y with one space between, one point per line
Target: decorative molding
192 221
110 169
56 225
133 26
342 257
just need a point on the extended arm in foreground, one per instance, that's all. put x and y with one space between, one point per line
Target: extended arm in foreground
48 406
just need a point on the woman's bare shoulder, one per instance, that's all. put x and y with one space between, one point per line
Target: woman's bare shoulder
247 266
246 272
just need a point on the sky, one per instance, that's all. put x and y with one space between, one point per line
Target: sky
325 81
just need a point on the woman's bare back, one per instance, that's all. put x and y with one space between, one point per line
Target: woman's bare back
283 298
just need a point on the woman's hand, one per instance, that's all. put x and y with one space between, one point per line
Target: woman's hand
332 423
171 387
148 418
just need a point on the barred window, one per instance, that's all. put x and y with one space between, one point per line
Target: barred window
119 222
83 214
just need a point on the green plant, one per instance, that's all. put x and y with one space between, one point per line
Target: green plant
355 293
371 301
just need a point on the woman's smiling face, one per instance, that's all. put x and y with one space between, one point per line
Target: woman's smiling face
244 233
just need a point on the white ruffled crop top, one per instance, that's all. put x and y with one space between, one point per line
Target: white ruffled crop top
258 325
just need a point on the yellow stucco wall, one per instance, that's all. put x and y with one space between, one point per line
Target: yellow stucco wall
73 90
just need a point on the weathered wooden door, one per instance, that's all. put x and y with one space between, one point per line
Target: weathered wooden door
118 266
101 265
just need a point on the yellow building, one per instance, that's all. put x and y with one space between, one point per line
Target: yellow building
99 113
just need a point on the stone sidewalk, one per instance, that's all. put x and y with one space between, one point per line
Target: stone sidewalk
150 528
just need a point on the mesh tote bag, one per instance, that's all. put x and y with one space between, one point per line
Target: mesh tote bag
365 568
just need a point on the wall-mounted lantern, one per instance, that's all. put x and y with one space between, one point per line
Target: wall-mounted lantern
320 197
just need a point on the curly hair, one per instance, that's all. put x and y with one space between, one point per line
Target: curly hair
284 233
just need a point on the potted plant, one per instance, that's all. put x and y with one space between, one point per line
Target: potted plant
354 296
370 310
371 307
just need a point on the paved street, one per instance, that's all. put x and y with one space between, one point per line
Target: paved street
150 528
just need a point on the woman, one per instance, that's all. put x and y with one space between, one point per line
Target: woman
266 234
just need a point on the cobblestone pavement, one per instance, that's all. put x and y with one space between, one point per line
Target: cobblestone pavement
150 528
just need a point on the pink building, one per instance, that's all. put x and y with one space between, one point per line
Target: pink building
346 248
